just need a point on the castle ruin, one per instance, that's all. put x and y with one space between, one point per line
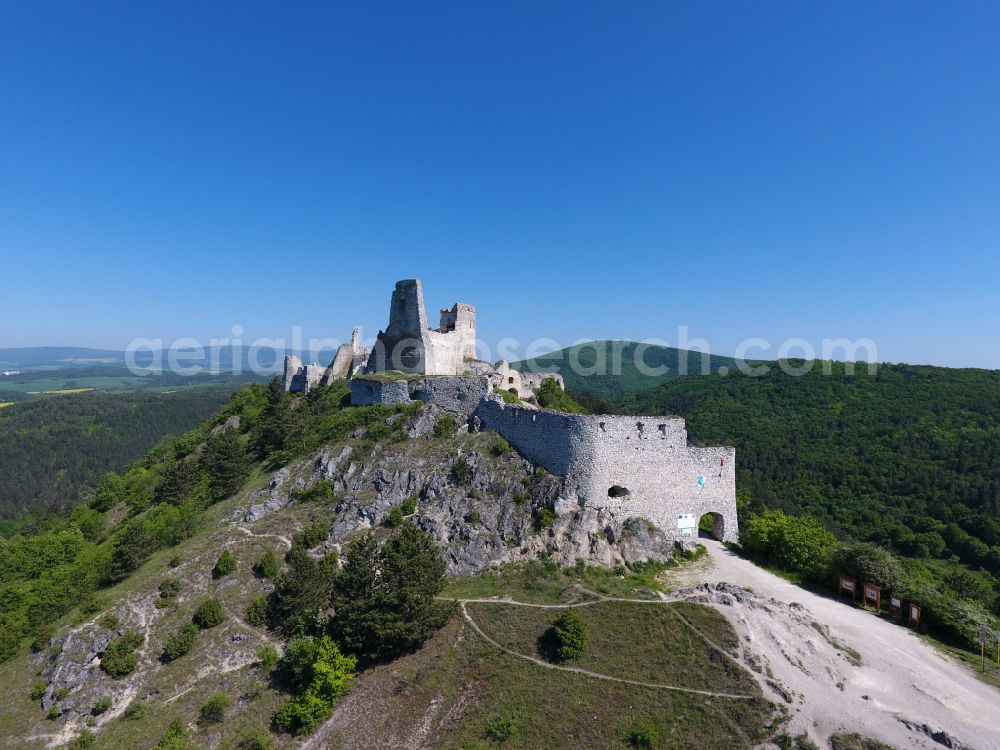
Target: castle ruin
633 466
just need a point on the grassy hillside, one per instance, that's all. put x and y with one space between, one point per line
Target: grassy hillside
204 621
611 369
52 447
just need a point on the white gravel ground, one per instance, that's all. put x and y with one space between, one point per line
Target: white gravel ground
903 692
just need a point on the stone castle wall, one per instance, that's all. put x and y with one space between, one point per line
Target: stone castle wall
637 466
459 395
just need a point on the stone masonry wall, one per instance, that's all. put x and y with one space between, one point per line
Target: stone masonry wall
459 395
636 466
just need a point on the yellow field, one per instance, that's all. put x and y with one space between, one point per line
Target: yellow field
5 403
71 390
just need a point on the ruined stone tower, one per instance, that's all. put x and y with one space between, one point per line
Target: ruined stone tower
409 345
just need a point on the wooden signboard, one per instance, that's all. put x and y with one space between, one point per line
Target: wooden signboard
873 596
896 606
848 586
914 615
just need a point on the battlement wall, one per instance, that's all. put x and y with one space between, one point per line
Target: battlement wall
636 466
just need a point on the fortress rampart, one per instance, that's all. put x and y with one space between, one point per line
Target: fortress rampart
636 466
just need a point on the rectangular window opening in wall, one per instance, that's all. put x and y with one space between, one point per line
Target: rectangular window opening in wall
601 425
663 429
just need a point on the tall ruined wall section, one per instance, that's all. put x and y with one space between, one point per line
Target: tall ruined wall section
636 466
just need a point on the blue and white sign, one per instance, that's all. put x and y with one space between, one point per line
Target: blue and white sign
686 523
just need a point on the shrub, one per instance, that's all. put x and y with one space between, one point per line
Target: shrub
256 611
318 674
133 711
109 621
510 398
550 396
268 656
461 472
500 447
82 741
61 694
269 565
226 462
225 565
174 561
869 563
502 729
570 635
395 517
798 544
102 705
209 614
254 740
312 535
180 642
54 711
409 506
322 490
645 737
215 708
544 518
169 588
38 690
445 426
176 737
119 658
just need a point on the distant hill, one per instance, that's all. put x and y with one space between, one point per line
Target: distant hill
906 457
621 366
51 448
61 357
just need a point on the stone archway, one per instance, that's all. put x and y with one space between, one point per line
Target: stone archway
712 525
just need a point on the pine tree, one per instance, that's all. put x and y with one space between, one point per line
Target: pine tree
225 460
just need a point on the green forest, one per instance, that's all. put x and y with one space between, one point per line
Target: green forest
53 447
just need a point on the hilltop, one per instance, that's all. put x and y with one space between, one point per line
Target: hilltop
612 369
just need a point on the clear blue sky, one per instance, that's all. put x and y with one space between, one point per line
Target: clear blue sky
572 169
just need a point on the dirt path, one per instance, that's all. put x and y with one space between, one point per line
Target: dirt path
903 690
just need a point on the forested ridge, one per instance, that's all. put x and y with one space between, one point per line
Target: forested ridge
53 447
906 457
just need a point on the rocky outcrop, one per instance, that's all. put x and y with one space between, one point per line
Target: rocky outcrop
482 502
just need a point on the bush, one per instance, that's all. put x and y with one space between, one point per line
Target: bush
312 535
550 396
226 463
570 635
254 740
868 563
500 447
409 506
169 588
461 472
82 741
133 711
102 705
54 711
507 396
109 621
180 642
544 518
268 656
269 565
257 611
445 426
394 518
798 544
320 491
645 737
318 674
225 565
176 737
61 694
119 658
215 708
38 690
209 614
503 729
